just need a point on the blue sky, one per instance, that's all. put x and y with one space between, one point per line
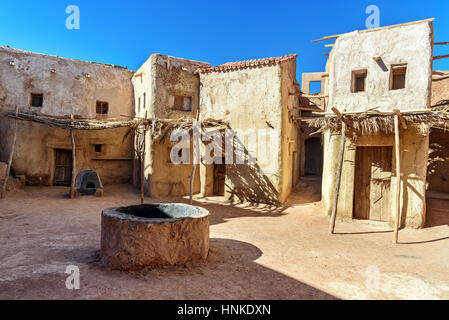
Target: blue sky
127 32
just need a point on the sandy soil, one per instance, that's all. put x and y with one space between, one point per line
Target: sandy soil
256 253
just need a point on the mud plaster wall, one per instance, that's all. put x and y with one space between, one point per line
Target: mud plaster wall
248 99
158 78
291 155
113 164
412 44
65 91
438 169
413 161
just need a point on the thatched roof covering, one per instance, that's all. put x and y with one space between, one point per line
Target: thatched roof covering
160 128
71 124
380 123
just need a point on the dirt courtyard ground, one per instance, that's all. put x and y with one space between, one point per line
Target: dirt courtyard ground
256 253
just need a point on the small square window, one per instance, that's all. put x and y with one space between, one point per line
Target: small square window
37 100
180 102
398 76
102 107
358 83
98 148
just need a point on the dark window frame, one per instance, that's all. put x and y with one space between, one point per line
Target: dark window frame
357 75
37 100
398 76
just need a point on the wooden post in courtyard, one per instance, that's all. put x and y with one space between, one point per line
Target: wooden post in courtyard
72 184
339 171
398 177
142 164
8 168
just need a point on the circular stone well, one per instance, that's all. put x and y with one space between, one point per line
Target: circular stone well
153 235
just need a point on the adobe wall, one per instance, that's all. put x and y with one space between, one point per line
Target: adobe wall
411 44
414 153
66 90
291 153
249 98
34 154
159 77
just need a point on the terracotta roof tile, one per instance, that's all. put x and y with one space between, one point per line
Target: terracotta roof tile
247 64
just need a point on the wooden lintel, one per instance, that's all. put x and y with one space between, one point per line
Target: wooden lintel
307 109
311 96
441 57
401 118
303 118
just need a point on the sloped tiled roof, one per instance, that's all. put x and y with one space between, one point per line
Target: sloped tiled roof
247 64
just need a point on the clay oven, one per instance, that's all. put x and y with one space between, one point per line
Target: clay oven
88 183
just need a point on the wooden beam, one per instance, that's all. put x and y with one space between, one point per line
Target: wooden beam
326 54
311 96
8 168
401 118
440 43
378 113
440 78
338 180
327 38
195 140
142 163
329 45
342 119
307 109
441 57
303 118
398 179
72 184
377 29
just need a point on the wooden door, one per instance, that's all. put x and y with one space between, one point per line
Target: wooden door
372 194
314 157
219 178
63 167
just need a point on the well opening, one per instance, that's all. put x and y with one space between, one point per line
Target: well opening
146 211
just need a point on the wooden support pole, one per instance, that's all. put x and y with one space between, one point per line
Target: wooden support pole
401 118
440 43
441 57
142 164
72 184
8 168
398 179
348 122
338 180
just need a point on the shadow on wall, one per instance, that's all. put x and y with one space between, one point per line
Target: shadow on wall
247 181
438 164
